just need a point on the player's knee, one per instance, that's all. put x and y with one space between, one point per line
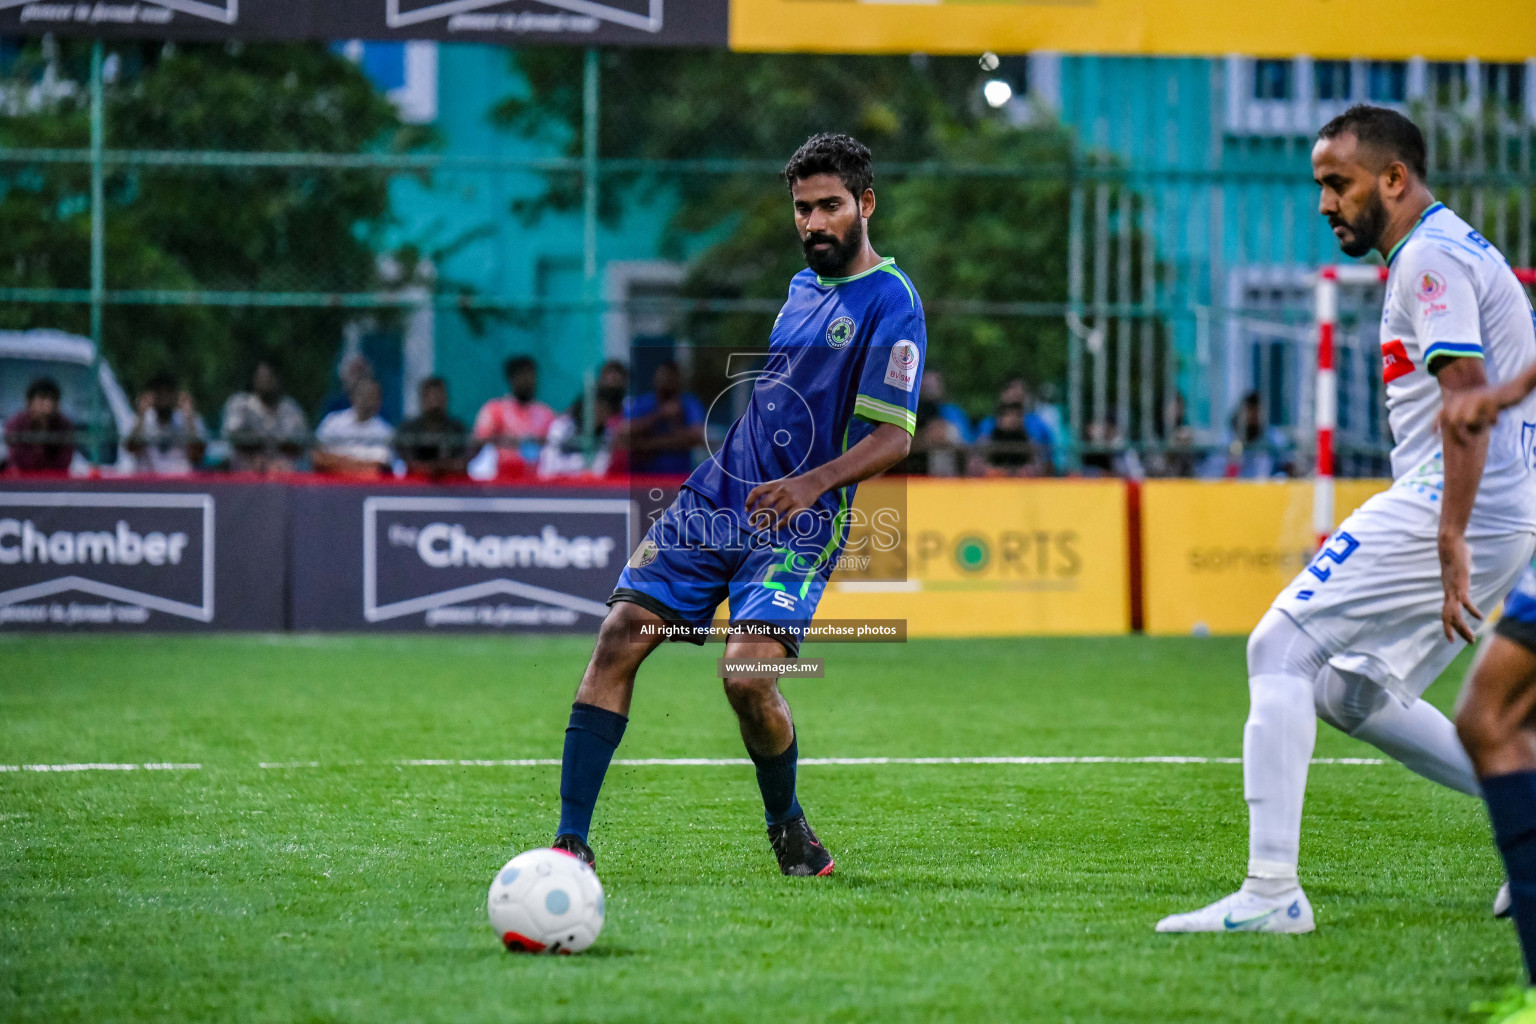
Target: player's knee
1267 643
1278 646
1345 700
617 647
1479 730
744 692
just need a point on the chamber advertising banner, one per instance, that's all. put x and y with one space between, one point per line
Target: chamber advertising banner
198 556
583 22
456 559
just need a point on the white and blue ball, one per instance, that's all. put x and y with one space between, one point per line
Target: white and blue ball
546 901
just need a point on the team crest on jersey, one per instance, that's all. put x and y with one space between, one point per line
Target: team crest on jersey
1431 286
840 331
644 555
1394 361
901 368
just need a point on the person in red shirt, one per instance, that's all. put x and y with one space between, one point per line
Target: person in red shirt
516 423
40 438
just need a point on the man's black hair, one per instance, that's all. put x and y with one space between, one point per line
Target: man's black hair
44 387
516 365
1385 130
433 382
832 153
162 381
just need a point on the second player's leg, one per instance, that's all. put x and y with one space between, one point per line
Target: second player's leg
598 718
1497 710
1278 738
622 644
768 731
1497 722
767 726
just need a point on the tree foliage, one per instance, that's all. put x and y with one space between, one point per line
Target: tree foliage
185 227
993 237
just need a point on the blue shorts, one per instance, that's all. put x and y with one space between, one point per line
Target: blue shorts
694 557
1518 622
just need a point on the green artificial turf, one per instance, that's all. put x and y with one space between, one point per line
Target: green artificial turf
354 890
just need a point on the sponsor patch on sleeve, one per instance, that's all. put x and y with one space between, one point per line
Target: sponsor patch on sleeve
1430 291
901 368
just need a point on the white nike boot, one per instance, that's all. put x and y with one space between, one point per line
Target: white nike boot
1244 911
1503 906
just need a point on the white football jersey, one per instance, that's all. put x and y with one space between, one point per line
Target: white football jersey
1450 293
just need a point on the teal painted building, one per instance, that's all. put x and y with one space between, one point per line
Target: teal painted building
1220 206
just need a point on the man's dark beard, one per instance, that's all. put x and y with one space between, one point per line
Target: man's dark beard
1366 230
834 262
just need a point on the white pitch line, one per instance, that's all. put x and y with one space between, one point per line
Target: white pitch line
100 767
679 762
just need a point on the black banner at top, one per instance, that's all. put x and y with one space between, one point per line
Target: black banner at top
580 22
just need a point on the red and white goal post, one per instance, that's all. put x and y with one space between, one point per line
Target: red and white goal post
1327 389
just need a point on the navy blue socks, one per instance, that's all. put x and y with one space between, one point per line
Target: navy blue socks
776 778
590 740
1511 803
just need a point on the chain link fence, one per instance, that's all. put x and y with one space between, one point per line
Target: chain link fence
1164 327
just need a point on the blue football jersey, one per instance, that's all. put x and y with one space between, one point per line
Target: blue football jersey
845 355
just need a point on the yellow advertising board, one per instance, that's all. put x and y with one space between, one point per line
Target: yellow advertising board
1000 558
1216 552
1503 30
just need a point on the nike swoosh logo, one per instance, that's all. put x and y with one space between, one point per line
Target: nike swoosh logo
1247 923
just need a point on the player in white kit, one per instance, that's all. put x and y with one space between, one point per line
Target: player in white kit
1359 635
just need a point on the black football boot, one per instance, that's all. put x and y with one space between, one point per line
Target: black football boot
798 850
572 844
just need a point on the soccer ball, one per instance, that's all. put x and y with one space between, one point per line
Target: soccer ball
546 901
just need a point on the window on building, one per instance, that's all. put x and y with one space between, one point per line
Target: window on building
1272 79
1504 83
1332 79
1448 82
1387 81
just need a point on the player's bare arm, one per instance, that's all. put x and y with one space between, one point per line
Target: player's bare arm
1474 410
779 500
1465 454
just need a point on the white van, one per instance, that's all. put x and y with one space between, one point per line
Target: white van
67 358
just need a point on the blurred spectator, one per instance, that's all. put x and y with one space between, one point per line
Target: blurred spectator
662 428
40 438
1255 449
1101 438
168 436
434 444
354 369
933 391
355 441
613 383
1039 432
265 428
1178 456
567 451
1008 448
516 423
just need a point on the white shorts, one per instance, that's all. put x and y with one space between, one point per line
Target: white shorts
1372 596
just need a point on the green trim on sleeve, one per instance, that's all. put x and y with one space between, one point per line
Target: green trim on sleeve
890 268
1443 350
884 412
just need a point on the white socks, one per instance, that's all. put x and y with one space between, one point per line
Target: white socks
1425 742
1277 750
